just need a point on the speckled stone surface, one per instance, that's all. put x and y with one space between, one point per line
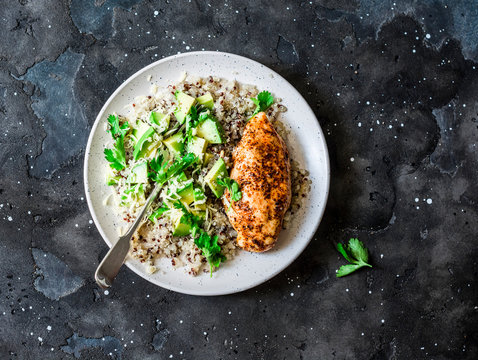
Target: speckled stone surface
395 87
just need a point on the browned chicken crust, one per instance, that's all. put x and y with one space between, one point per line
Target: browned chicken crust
262 170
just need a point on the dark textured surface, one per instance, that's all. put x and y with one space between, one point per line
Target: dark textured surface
395 88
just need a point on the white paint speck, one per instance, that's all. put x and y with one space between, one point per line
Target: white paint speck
106 292
48 328
383 321
416 199
352 159
359 124
429 201
291 294
40 339
156 13
9 218
428 36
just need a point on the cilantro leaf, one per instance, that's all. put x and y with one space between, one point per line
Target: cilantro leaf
358 250
161 173
210 250
157 213
232 186
344 253
347 269
356 254
189 218
195 116
116 129
263 101
116 156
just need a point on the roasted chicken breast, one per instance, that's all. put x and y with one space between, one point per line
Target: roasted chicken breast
262 170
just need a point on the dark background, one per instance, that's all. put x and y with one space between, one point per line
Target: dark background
394 86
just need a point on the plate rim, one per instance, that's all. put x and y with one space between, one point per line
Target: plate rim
144 275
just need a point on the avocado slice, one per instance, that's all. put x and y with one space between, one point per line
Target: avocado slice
181 177
161 120
187 194
180 116
211 130
208 157
111 179
206 100
197 146
139 174
175 144
217 171
139 130
185 101
142 146
181 227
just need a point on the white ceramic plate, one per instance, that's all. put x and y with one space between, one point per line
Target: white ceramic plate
306 144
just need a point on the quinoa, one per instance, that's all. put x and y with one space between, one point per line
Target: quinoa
232 108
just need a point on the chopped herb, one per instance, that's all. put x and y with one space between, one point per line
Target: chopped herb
356 254
196 115
116 129
232 186
116 156
210 249
161 173
263 101
157 213
192 220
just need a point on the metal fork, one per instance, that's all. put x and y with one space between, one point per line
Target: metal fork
114 259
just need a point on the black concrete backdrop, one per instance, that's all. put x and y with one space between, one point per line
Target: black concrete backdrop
394 85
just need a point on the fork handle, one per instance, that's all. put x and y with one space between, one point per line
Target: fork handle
114 259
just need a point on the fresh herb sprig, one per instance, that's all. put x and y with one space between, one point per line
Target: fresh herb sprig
192 220
210 249
208 245
196 115
161 172
263 102
232 186
157 213
116 156
356 254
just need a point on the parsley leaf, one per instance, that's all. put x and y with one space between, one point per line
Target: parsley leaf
189 218
161 173
210 249
195 116
157 213
356 254
116 156
116 129
263 101
232 186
